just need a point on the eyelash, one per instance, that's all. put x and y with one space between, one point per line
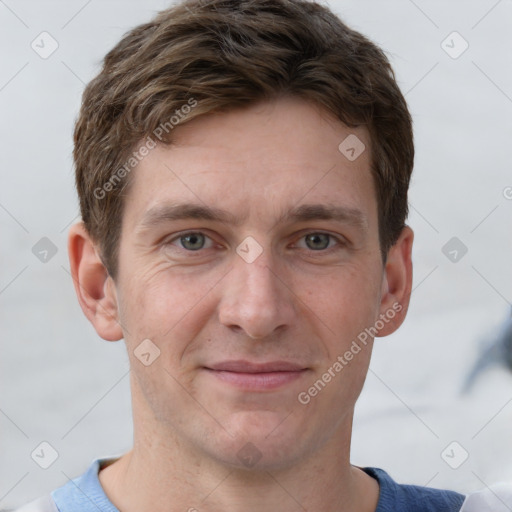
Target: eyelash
340 243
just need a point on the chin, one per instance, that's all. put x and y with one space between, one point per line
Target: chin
262 440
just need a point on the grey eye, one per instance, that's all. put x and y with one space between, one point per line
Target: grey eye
193 241
317 241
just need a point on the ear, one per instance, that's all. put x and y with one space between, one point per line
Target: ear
94 287
397 283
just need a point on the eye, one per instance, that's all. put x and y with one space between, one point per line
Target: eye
194 241
320 241
191 241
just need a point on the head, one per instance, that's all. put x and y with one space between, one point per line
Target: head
242 170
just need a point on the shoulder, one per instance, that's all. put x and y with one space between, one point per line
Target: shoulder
83 494
396 497
42 504
496 498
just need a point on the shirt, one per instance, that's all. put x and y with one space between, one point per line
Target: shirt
85 494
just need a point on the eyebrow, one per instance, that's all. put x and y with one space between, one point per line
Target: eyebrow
305 212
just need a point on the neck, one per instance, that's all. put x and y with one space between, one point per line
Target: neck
163 474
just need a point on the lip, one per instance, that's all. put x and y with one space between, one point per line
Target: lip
242 366
251 376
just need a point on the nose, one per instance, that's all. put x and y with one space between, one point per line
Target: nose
256 298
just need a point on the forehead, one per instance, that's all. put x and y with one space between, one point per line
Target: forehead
258 163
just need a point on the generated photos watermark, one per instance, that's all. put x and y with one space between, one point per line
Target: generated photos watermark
144 149
304 397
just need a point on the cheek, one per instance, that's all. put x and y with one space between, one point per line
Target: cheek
346 301
165 306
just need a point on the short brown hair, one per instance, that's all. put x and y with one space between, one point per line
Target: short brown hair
224 54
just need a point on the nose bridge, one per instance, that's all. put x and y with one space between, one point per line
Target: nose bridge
255 299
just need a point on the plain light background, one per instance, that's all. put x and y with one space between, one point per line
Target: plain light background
63 385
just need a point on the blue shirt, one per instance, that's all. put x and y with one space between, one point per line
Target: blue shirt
85 494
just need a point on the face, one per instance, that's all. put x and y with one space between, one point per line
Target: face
250 259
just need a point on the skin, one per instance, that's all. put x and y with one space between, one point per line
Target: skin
304 299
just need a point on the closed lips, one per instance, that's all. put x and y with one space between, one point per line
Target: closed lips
249 367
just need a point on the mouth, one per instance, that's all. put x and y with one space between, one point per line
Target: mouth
251 376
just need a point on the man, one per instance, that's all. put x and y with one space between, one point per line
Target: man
242 169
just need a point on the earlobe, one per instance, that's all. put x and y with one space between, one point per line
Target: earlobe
94 287
397 283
